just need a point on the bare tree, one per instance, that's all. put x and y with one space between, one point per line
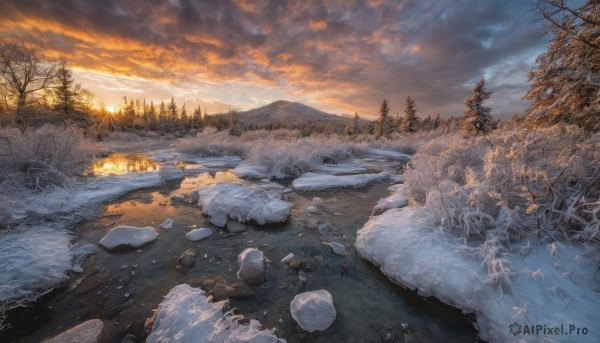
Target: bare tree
25 74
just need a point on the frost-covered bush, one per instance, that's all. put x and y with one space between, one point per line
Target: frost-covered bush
212 143
512 183
44 157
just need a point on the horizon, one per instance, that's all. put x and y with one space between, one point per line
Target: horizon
341 58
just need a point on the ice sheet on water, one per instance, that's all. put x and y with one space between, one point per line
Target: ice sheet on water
540 288
351 166
128 236
213 163
397 199
187 315
395 155
242 203
316 182
254 171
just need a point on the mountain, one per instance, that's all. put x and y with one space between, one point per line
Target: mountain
289 113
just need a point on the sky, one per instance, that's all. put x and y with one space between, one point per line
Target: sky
339 56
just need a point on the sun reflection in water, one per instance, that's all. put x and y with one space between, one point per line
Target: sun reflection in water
123 164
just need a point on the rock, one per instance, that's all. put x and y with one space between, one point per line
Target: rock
87 332
311 209
313 311
167 224
252 266
235 227
128 236
198 234
325 229
170 172
175 198
337 248
188 258
318 201
264 181
295 265
146 198
129 338
288 258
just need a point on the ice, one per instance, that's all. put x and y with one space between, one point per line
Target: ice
33 261
167 224
316 182
288 258
253 171
397 199
210 163
128 236
352 166
242 203
198 234
387 154
535 287
313 311
338 248
252 266
186 315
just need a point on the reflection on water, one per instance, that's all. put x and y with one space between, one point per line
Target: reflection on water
123 164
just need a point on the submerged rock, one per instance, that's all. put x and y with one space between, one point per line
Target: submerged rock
87 332
188 258
198 234
252 266
175 198
338 248
146 198
128 236
313 311
235 227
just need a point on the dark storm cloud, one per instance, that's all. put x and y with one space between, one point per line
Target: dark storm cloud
345 54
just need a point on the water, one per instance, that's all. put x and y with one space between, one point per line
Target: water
125 286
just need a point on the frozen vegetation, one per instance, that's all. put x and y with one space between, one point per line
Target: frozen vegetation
505 226
187 315
242 203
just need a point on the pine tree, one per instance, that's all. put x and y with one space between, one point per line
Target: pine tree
565 83
65 93
184 117
152 115
173 111
477 118
197 118
354 127
410 122
382 121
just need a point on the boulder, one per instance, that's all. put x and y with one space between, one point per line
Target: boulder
87 332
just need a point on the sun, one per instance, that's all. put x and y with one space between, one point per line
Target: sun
110 108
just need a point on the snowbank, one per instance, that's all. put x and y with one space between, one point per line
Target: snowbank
397 199
316 182
128 236
242 203
533 284
213 163
394 155
187 315
253 171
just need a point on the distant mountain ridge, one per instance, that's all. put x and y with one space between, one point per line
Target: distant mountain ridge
287 113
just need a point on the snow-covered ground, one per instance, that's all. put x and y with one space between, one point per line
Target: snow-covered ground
316 181
243 203
550 285
187 315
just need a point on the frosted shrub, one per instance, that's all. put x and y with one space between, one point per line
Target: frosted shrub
48 156
512 183
212 143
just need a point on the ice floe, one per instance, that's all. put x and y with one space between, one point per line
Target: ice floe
128 236
316 182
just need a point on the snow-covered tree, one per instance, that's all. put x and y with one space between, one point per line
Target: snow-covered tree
382 121
173 110
354 127
184 117
410 122
565 83
477 118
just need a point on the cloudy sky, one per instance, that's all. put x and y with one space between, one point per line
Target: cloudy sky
339 56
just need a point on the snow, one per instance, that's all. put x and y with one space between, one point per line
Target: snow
253 171
128 236
530 284
338 248
313 311
288 258
186 315
167 224
397 199
205 163
316 182
252 266
198 234
242 203
394 155
351 166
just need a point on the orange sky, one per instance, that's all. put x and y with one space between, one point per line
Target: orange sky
339 56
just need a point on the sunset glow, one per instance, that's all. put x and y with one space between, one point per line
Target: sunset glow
341 56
